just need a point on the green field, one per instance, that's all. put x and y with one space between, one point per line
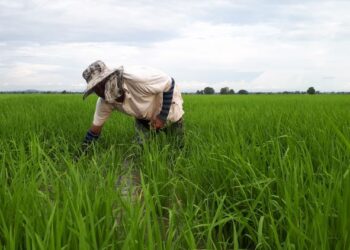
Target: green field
256 172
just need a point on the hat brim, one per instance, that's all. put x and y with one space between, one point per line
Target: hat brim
94 82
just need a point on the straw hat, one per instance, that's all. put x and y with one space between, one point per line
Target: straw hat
94 74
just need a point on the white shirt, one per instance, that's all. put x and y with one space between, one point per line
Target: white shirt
144 87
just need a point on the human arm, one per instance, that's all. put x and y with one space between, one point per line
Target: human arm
167 99
102 113
161 118
92 134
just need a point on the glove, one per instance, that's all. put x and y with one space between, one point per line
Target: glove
90 137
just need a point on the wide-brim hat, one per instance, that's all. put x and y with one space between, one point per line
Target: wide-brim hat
94 74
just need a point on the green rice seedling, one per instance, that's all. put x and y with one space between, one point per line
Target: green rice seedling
256 172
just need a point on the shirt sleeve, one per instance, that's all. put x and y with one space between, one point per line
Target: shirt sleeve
167 99
102 112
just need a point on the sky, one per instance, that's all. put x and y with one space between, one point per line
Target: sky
257 45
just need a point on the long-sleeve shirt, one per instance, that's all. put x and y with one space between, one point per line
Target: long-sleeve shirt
144 88
167 99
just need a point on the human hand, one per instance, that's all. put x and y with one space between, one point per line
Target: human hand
90 137
157 123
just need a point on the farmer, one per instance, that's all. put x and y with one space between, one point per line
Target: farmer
147 94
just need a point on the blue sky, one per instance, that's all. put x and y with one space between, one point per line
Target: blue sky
258 45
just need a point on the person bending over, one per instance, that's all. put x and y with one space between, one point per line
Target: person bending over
147 94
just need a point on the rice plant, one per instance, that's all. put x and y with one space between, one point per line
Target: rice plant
256 172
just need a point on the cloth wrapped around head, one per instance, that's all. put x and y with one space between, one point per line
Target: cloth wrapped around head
98 73
112 90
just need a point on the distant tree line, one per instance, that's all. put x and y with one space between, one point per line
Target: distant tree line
205 91
223 91
228 91
33 91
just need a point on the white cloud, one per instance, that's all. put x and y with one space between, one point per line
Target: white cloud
257 45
